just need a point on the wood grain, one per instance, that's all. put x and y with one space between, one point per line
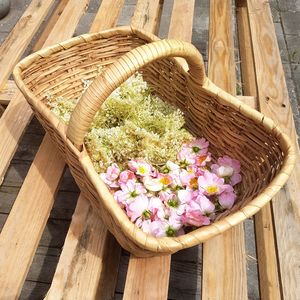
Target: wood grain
25 224
147 15
178 23
221 64
147 278
107 15
153 283
224 257
50 23
274 102
89 260
269 282
89 251
19 38
7 92
18 113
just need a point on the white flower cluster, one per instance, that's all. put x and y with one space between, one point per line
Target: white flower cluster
132 123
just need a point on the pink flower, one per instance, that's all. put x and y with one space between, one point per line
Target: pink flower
173 171
164 203
230 162
177 203
202 160
210 184
176 181
166 195
143 208
157 184
111 176
164 179
125 176
129 192
140 167
194 218
174 220
186 177
228 168
172 167
227 198
199 146
186 157
186 196
163 227
196 152
205 205
198 211
156 228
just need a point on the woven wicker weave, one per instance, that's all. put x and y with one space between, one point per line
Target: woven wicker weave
232 128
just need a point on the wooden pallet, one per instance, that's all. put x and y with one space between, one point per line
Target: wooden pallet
89 262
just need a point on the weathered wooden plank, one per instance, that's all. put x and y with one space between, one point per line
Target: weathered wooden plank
107 15
264 230
67 21
50 24
224 254
221 64
153 283
182 18
274 102
90 251
83 263
7 92
147 15
24 226
178 24
12 124
19 38
249 100
147 278
269 281
18 113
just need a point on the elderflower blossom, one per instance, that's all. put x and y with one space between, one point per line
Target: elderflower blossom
133 122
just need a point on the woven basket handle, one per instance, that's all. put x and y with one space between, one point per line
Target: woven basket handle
119 71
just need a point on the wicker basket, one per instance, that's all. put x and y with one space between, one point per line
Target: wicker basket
231 127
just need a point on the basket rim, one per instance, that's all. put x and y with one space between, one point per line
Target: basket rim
130 230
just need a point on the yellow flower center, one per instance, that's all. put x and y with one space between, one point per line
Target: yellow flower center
212 189
142 170
165 180
190 170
